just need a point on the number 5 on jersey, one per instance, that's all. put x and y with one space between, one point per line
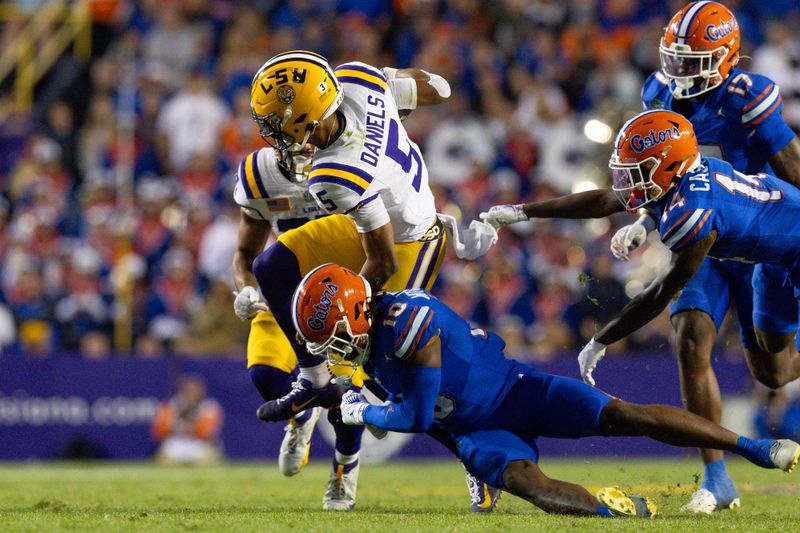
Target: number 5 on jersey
405 160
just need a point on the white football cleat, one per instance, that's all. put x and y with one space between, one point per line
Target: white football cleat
784 454
703 501
296 444
340 494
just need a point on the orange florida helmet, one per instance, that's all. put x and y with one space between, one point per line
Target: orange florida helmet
651 152
700 47
331 313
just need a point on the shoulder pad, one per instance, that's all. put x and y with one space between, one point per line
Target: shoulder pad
361 74
351 177
684 218
411 323
755 96
334 197
250 176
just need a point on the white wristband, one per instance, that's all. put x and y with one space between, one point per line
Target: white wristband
404 91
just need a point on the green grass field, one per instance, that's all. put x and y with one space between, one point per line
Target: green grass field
397 497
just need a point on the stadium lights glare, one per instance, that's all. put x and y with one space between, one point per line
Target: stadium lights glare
598 131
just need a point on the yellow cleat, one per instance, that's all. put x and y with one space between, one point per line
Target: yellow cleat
619 503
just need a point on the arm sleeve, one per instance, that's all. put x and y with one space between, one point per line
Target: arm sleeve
685 226
415 413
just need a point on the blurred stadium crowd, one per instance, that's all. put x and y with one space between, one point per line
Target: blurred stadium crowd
116 213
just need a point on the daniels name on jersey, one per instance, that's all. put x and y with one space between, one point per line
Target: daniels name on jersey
373 171
265 193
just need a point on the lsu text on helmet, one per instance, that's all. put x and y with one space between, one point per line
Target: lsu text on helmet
700 47
331 313
290 95
651 150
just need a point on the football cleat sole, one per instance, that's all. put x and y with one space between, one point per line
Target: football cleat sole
619 503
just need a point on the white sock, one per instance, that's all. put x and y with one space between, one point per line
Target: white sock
319 375
343 459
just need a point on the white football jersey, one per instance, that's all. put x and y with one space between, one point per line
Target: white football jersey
265 193
373 171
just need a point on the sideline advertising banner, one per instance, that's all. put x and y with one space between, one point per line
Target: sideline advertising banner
68 407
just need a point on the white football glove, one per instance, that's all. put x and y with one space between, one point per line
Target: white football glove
248 303
627 239
499 215
353 406
472 242
588 359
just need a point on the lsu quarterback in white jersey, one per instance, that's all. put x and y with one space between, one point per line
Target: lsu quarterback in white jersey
373 170
383 223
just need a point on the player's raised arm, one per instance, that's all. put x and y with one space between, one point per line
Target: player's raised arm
414 87
590 204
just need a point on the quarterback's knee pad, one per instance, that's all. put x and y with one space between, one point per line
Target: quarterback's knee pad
270 382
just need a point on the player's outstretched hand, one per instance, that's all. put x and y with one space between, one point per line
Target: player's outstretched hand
499 215
627 239
248 303
588 359
353 406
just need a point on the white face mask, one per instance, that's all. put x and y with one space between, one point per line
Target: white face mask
692 73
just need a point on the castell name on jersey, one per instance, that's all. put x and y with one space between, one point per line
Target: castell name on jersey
376 124
639 143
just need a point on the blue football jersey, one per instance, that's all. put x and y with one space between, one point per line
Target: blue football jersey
740 121
755 216
475 374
